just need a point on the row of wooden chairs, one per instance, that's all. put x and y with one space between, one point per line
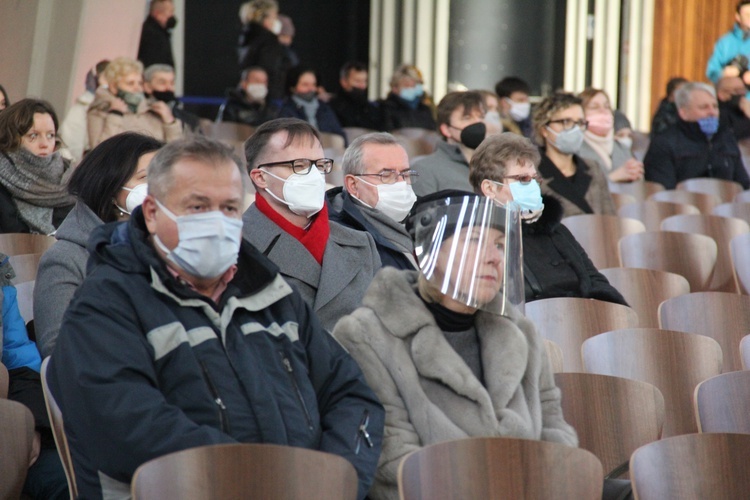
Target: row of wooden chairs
723 190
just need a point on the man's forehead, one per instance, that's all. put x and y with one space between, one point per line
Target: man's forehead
377 157
280 141
163 75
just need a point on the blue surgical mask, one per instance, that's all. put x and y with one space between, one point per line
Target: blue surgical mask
409 94
709 125
528 197
419 88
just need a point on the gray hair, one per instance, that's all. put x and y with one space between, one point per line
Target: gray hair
194 147
151 71
352 163
683 95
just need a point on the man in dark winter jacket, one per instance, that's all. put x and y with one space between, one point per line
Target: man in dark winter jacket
698 145
184 335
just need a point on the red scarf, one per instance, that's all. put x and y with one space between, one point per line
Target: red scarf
314 238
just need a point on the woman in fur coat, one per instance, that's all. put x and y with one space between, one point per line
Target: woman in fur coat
444 359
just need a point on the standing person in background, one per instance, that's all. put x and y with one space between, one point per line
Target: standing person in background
155 46
599 144
666 113
731 52
286 37
403 108
73 130
303 102
351 105
515 104
259 44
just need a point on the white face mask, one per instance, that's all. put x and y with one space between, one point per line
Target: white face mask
394 200
276 28
304 194
493 118
209 242
626 142
135 197
519 111
257 91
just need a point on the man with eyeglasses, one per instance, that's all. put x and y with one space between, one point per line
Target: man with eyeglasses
331 265
377 196
460 118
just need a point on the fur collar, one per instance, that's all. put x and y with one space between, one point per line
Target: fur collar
550 219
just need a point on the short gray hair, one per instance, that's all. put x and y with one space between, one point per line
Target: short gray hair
352 163
683 95
151 71
194 147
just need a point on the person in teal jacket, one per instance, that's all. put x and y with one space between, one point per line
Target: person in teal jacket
731 52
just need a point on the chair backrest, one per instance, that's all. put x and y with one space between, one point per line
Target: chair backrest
16 438
354 132
675 362
58 431
722 230
500 468
743 197
417 141
704 202
737 210
724 189
645 289
25 295
690 255
745 352
555 355
722 403
641 141
651 213
612 415
223 472
25 265
741 261
599 235
228 131
640 190
693 467
725 317
622 199
19 243
568 321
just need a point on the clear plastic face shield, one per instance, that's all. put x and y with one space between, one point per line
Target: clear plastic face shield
469 249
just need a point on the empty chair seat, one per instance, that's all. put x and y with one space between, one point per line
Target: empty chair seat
354 132
600 234
20 243
645 289
568 321
743 197
621 199
674 362
702 201
640 190
740 250
722 403
724 189
737 210
25 266
690 255
651 213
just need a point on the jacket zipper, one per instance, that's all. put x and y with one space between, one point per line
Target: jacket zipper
362 433
223 417
288 366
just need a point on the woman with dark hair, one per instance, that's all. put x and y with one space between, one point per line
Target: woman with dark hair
4 101
109 184
33 175
302 102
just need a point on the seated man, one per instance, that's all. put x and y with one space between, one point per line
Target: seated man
331 265
351 105
730 91
460 123
515 105
158 83
698 145
377 196
183 335
247 103
666 113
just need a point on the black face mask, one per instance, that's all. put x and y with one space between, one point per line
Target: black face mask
164 96
473 135
171 23
307 96
734 101
358 94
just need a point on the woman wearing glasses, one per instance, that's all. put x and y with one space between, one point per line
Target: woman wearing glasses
504 168
33 175
579 186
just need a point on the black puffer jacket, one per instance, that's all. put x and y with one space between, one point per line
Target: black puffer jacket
555 264
684 152
258 46
144 366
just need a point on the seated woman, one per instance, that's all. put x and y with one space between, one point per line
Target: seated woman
504 168
407 105
579 185
599 142
445 354
122 106
302 102
33 174
109 184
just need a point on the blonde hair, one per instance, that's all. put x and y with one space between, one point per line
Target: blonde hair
405 71
121 67
256 11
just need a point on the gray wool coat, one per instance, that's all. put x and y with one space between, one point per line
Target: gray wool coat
430 394
61 271
333 289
